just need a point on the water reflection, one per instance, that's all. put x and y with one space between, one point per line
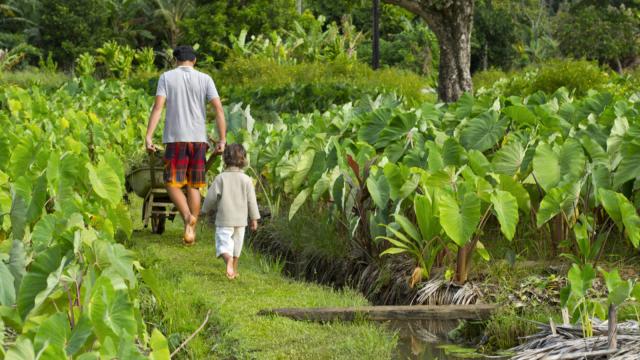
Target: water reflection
425 339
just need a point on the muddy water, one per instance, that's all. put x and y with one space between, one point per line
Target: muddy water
428 340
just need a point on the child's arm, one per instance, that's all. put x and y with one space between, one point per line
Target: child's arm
211 201
254 213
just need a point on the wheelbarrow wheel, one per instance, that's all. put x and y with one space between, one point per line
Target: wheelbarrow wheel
158 222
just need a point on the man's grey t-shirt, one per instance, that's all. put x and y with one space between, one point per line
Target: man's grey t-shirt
187 92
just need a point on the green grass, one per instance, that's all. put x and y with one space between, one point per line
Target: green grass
191 281
307 236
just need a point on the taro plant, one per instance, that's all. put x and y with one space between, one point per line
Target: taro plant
423 243
575 296
68 288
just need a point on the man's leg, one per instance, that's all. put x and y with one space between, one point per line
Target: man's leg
180 201
193 197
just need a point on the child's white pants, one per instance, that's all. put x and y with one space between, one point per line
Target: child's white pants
229 240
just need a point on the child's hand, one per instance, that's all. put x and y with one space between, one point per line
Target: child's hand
254 225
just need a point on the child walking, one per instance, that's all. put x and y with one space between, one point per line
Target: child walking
233 198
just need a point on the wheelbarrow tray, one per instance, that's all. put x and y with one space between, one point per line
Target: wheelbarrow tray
139 179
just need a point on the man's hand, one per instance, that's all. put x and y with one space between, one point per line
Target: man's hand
220 146
154 119
254 225
150 146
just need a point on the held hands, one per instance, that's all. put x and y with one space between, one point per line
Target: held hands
220 146
253 225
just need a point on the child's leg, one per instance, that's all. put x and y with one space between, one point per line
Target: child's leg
235 265
231 265
238 240
225 247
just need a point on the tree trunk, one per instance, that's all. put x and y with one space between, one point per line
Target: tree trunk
452 22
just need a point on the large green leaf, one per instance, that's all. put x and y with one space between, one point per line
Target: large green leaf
618 289
520 114
629 167
609 200
560 165
546 166
110 311
301 169
105 182
401 182
298 201
17 263
516 189
630 219
556 201
509 158
38 199
370 129
43 232
434 159
379 190
37 280
459 221
505 206
479 163
452 153
159 346
426 208
23 154
7 287
483 132
18 216
623 213
79 335
55 330
580 279
22 349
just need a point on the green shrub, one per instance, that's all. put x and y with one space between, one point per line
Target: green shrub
33 77
578 76
291 88
487 78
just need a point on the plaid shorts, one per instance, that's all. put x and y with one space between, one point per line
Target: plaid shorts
184 164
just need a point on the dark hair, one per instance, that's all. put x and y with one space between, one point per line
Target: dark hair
184 53
235 155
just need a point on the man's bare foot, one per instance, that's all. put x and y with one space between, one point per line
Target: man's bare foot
190 231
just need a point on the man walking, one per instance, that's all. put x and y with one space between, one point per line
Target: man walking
186 93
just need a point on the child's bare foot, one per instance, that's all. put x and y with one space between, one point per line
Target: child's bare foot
230 273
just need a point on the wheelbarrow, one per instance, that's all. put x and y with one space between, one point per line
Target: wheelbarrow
147 182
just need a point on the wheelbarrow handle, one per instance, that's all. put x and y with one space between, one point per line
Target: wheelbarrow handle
152 169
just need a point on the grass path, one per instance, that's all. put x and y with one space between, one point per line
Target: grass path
191 281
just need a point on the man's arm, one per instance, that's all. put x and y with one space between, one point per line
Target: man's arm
154 119
221 124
